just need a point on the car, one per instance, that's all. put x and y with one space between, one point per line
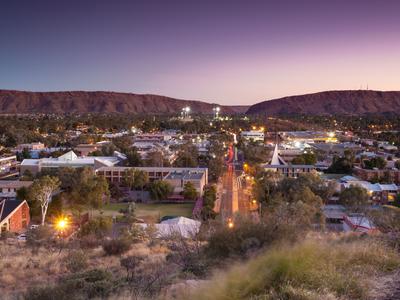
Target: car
34 226
21 237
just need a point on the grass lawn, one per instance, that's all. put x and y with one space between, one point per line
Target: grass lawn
152 211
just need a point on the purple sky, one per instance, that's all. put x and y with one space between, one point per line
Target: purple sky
229 52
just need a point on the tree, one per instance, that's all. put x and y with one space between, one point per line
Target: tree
155 159
160 190
375 162
187 156
129 178
42 191
141 179
341 165
189 191
90 191
133 158
305 159
209 198
355 198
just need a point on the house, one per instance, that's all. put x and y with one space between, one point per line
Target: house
70 159
278 164
8 188
14 215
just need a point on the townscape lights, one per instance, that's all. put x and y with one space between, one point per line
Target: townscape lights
218 109
331 134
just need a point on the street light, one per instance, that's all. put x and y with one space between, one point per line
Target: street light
230 224
61 224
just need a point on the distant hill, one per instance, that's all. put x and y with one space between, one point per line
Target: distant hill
13 102
352 102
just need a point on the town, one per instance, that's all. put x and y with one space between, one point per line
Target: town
178 186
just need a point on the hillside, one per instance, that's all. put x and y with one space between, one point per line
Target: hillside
12 102
356 102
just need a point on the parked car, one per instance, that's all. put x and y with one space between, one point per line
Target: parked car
21 237
33 226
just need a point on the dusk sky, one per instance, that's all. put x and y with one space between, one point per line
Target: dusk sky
229 52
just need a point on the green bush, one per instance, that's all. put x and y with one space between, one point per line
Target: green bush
99 227
116 246
90 284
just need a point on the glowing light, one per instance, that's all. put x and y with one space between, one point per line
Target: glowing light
331 134
230 224
61 224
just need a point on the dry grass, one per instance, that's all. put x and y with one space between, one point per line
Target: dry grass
310 270
20 268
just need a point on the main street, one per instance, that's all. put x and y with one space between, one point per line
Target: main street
234 192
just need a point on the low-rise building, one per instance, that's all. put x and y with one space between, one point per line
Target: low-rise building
389 175
8 166
278 164
177 177
14 215
31 146
8 188
378 193
69 159
253 135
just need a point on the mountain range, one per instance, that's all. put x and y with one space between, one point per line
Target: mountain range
351 102
22 102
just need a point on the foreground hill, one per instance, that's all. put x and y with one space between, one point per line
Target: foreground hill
357 102
12 102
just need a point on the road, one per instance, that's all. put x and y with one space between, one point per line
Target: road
234 192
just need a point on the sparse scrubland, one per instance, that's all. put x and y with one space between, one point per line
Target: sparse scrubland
312 269
256 265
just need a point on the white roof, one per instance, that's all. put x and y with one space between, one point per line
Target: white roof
183 226
276 159
181 220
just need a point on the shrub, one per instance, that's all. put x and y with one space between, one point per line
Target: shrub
245 237
39 237
99 227
116 246
76 261
310 270
90 284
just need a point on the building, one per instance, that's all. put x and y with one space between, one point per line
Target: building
70 159
8 166
253 135
31 147
86 149
8 188
358 223
309 136
389 175
379 193
14 215
177 177
278 164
